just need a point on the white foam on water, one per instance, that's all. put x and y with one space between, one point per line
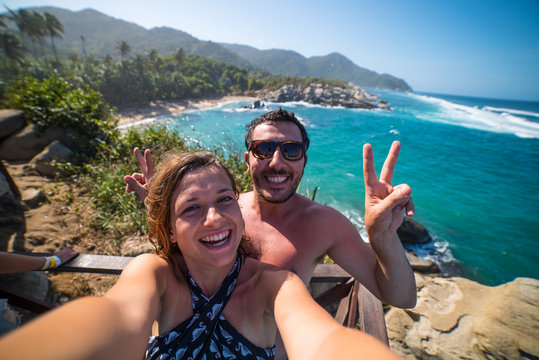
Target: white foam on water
480 119
511 111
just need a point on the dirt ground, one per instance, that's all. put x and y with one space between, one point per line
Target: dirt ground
61 220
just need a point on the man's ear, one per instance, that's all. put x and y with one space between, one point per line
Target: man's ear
246 158
305 163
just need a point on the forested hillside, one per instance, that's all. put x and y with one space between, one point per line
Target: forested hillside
91 32
332 66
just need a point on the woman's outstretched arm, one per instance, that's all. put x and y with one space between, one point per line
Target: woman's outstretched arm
115 326
309 332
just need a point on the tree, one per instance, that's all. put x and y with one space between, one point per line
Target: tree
124 48
154 60
54 29
179 56
12 46
29 23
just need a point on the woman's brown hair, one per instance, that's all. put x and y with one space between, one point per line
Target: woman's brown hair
171 171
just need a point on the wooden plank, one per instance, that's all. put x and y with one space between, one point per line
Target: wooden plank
330 273
334 294
24 301
344 305
371 315
101 264
106 264
353 312
86 263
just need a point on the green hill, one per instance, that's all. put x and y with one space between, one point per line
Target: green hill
102 34
332 66
99 34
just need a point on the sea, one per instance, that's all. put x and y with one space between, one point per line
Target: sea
472 164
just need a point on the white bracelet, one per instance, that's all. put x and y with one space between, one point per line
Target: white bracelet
47 264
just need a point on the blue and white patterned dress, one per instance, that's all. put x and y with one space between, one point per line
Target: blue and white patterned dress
207 335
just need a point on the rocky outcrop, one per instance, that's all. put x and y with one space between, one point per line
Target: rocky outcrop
31 140
326 95
11 121
456 318
413 232
34 144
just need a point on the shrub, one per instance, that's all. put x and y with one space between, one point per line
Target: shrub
56 102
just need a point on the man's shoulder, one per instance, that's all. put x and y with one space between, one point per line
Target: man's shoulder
306 205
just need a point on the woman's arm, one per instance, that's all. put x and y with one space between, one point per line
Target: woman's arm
309 332
115 326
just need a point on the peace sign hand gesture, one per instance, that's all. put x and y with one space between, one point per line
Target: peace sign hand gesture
384 203
138 182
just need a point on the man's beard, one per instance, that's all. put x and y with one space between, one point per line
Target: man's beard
273 198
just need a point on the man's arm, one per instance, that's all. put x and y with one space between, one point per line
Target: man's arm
138 182
383 268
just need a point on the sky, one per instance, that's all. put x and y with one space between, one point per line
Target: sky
482 48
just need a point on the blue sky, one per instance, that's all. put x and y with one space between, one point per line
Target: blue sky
475 47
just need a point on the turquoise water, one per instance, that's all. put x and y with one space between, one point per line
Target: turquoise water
472 164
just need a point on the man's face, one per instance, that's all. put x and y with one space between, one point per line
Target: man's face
275 179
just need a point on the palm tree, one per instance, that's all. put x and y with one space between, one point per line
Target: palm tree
37 30
154 59
12 46
124 48
54 28
2 22
28 23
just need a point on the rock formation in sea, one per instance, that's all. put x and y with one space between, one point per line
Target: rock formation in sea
351 96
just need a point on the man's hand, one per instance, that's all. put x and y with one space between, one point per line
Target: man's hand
138 182
384 203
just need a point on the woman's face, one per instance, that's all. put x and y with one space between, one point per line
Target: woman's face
206 220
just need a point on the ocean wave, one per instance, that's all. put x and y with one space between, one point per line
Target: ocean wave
480 119
511 111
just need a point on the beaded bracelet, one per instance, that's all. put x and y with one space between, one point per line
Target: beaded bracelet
51 262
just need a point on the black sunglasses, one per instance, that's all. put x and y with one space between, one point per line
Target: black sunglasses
264 149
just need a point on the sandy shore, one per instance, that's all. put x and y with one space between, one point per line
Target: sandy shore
130 115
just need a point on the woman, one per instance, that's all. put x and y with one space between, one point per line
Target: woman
198 296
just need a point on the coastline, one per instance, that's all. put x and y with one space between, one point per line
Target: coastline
133 114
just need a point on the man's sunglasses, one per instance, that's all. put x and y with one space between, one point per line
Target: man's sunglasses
264 149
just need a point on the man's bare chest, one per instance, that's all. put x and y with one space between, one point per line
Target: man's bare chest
285 248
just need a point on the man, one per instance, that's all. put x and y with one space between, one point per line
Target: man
291 231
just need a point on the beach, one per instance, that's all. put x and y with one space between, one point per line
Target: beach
132 114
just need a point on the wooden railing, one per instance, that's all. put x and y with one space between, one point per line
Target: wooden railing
356 303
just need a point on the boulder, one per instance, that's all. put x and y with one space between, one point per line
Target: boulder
11 211
55 151
456 318
422 265
135 245
11 121
31 283
33 197
31 140
413 232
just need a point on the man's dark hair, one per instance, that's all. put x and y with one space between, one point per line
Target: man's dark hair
278 115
